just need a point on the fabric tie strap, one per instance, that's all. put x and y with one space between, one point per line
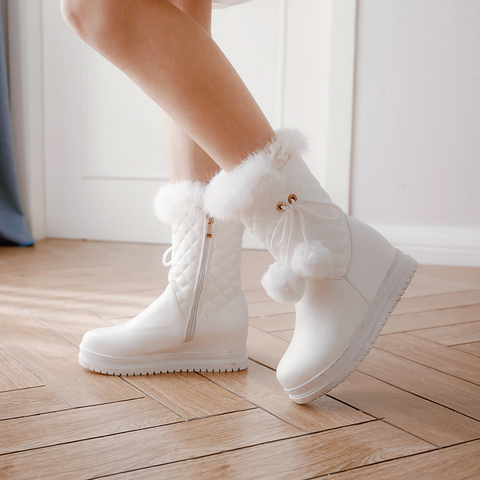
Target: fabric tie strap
285 228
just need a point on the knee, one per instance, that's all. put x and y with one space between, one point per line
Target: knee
77 14
93 20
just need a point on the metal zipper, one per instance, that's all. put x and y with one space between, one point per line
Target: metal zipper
192 321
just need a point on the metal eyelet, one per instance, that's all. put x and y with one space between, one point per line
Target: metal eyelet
292 197
280 205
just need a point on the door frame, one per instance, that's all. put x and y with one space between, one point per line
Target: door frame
25 49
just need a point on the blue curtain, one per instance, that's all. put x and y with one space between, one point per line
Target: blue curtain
13 229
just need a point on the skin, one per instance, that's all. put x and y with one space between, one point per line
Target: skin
166 48
186 159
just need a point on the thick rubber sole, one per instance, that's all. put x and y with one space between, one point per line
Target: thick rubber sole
164 362
391 290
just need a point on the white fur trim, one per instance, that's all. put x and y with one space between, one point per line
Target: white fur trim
175 200
312 260
231 192
282 284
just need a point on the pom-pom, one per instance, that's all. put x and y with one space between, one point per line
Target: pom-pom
311 260
282 284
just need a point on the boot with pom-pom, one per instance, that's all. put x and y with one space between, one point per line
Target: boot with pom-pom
344 277
200 321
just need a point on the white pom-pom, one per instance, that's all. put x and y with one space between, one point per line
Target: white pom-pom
312 260
282 284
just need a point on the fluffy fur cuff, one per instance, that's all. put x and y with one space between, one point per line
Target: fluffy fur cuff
231 192
175 200
283 284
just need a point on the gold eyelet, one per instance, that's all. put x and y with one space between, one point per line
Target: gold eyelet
292 197
280 205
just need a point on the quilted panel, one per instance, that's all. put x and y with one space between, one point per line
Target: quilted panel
187 241
263 217
222 282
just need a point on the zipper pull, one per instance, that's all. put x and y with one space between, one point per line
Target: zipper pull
210 221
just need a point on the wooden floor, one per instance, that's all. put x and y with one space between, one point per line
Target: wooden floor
410 411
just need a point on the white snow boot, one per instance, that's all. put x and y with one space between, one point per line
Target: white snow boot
344 277
200 322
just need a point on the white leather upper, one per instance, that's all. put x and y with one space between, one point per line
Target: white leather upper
327 317
372 257
332 309
222 283
222 317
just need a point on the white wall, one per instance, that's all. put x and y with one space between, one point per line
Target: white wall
416 149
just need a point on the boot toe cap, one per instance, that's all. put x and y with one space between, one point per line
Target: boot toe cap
99 340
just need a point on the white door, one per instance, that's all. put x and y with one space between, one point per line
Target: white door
103 142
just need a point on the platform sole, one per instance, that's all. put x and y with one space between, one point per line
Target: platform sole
164 362
391 290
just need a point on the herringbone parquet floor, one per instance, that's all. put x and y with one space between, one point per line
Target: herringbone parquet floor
411 410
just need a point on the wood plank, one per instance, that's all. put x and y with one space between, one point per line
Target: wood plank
145 448
427 420
439 301
119 309
82 423
274 323
39 301
60 280
424 284
91 279
459 462
55 361
286 335
432 318
432 354
118 321
254 264
189 394
471 348
71 324
469 275
265 348
304 457
256 295
30 401
271 307
259 386
146 296
426 382
452 334
13 375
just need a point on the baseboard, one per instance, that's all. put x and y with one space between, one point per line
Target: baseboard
436 245
428 245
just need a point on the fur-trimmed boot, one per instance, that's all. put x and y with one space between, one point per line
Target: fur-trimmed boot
344 277
200 321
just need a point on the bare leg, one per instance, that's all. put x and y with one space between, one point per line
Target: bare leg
186 159
175 61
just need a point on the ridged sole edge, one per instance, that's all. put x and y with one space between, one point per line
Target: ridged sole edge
319 385
164 363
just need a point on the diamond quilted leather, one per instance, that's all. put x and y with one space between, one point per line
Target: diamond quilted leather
263 217
187 241
222 280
